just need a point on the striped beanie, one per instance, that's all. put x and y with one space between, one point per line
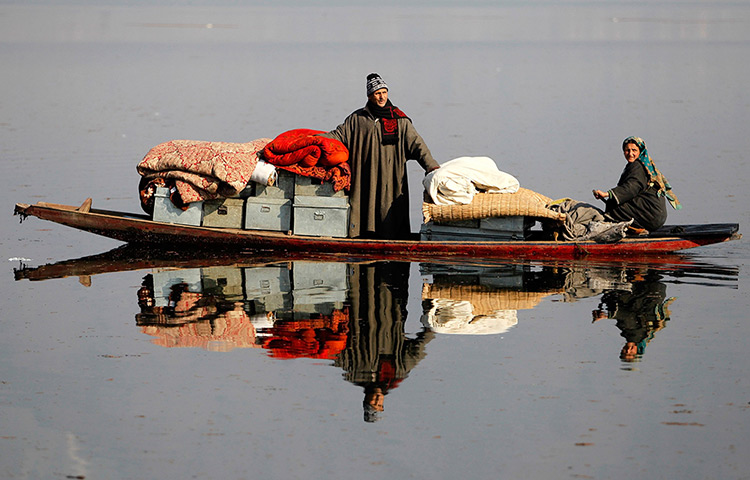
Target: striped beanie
374 83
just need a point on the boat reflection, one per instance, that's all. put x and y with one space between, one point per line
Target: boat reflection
353 312
476 300
220 308
482 300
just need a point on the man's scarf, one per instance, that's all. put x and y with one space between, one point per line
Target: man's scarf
656 177
388 115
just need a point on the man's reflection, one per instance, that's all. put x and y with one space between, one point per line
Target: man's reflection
378 354
640 312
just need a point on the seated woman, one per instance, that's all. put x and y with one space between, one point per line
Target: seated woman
640 192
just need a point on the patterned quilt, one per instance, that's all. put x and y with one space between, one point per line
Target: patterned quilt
201 170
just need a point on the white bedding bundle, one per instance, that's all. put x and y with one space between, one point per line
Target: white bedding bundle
458 180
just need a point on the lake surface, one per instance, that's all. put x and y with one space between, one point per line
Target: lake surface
118 363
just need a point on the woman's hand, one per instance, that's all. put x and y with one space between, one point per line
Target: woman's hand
601 195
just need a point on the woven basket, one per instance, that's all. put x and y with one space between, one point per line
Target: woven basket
524 202
486 300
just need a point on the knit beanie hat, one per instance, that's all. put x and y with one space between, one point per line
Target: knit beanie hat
375 83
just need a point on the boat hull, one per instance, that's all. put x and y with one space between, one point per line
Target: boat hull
139 229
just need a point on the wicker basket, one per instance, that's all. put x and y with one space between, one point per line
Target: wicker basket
486 300
524 202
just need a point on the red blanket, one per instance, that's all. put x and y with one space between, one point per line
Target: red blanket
321 337
303 152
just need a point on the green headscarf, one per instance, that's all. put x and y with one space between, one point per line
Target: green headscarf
655 176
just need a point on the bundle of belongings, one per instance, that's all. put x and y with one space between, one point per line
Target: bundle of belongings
194 171
303 152
469 197
584 221
198 170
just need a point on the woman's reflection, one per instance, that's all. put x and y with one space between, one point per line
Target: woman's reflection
639 312
378 354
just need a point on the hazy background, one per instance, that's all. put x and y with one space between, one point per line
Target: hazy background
547 89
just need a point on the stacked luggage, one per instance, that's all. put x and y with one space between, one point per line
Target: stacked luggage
294 204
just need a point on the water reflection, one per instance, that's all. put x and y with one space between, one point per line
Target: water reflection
485 300
482 300
225 307
178 313
354 312
378 354
639 312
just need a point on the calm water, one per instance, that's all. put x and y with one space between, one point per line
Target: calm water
125 364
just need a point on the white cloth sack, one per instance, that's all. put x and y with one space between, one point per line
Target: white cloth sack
264 173
457 181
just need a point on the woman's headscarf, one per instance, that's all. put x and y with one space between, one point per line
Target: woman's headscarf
665 189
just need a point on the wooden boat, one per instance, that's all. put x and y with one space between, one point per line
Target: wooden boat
132 257
140 229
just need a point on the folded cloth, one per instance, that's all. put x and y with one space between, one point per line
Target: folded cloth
203 170
303 152
458 180
340 176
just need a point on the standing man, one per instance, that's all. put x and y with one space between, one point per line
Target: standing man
380 138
